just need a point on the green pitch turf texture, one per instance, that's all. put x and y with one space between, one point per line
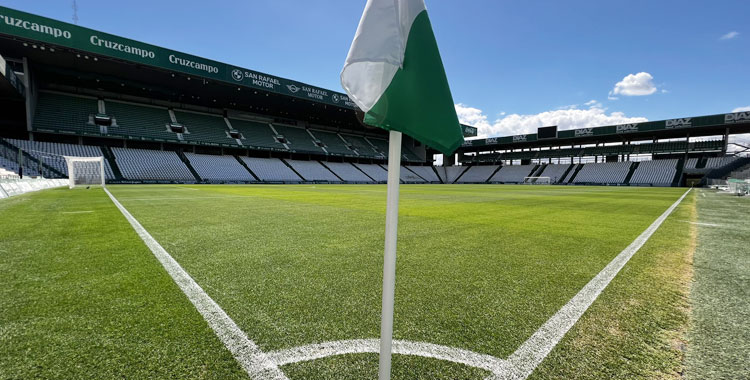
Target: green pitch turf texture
479 268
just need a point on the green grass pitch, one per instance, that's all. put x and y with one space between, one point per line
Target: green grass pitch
480 268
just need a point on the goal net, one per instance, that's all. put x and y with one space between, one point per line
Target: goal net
739 187
85 171
536 180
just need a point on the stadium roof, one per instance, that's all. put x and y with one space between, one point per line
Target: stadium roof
78 57
712 125
26 26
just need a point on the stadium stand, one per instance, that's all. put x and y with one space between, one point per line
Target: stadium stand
407 176
555 172
601 173
298 139
204 128
572 172
375 172
449 174
142 121
656 172
717 162
313 171
152 165
512 173
425 172
408 154
65 113
8 168
333 143
271 169
478 174
348 172
691 163
364 148
50 153
219 168
379 144
382 146
256 134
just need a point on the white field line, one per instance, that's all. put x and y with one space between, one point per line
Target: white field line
254 361
532 352
524 360
402 347
518 366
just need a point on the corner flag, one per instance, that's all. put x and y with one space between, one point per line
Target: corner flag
395 75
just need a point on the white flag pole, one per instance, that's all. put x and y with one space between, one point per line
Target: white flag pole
389 263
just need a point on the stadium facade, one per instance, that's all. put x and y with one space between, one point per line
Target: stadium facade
159 115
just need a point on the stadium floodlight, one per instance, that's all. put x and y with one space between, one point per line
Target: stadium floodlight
536 181
86 171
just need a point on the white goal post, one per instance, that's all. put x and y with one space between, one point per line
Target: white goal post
85 171
536 181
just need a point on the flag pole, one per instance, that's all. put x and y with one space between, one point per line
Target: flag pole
389 262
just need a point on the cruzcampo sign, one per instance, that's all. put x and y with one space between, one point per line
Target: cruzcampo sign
36 28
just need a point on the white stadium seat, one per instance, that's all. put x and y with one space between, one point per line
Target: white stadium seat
219 168
375 172
271 169
656 172
605 172
512 173
313 171
154 165
477 174
348 172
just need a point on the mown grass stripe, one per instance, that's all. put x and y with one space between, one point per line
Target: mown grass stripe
254 361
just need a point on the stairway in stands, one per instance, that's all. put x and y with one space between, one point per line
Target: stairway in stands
678 175
461 175
565 173
539 170
189 166
28 158
332 172
701 162
292 168
110 157
575 172
244 165
632 169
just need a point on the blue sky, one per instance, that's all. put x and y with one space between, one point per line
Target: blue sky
512 65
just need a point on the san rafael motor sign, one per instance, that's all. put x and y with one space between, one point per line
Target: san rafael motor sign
36 28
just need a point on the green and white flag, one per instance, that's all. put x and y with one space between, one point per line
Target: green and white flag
395 75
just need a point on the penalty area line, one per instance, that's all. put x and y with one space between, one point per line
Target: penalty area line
254 361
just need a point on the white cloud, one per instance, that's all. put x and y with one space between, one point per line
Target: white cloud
742 109
634 85
567 118
729 35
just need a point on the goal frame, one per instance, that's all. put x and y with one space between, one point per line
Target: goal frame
70 162
546 180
